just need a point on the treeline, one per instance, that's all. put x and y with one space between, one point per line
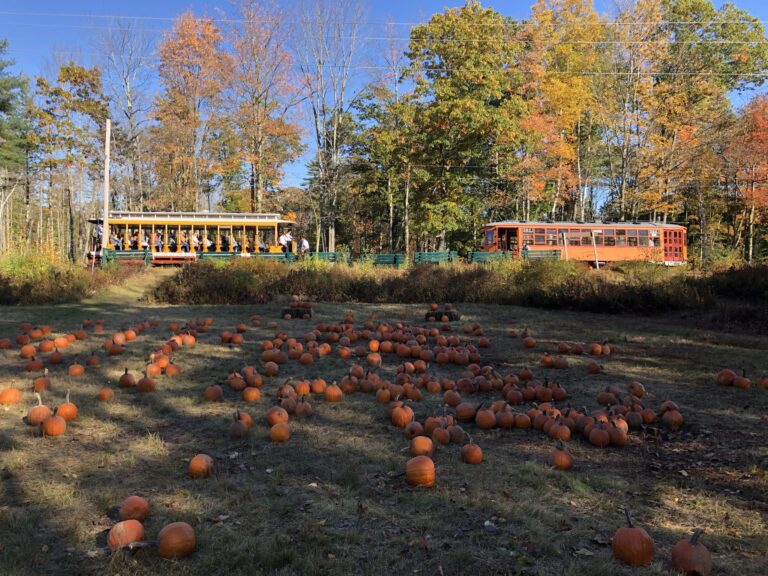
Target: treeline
416 138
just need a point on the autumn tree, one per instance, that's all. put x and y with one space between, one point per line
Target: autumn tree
67 134
747 154
193 69
261 94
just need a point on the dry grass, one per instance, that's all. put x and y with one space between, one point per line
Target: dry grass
331 500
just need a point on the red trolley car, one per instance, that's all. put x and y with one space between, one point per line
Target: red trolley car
595 242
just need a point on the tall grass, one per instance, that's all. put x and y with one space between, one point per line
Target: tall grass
36 278
551 284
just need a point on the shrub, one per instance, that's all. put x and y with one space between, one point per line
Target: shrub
547 284
34 278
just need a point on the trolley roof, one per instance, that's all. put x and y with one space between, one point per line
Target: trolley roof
213 218
583 224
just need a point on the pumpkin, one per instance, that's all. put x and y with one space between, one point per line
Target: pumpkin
560 458
529 342
213 393
691 556
238 429
594 368
632 545
303 408
134 508
559 431
10 395
251 394
125 533
420 471
413 429
466 412
200 466
672 419
176 540
276 415
726 377
271 368
76 369
485 419
38 414
333 393
27 351
471 453
441 435
636 389
421 446
93 359
599 436
280 432
106 394
68 410
33 365
146 384
172 370
53 426
742 382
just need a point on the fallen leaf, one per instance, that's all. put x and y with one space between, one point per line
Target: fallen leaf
583 552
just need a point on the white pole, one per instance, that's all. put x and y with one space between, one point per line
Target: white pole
594 247
565 243
105 236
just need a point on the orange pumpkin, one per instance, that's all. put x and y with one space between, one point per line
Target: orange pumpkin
176 540
200 466
124 533
134 508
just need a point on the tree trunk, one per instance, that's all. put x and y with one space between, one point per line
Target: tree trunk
72 244
391 201
751 244
704 250
406 215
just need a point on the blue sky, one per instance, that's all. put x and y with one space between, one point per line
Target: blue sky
38 29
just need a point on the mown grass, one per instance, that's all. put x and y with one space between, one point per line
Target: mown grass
331 500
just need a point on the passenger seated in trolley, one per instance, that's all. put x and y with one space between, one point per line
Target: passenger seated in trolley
116 242
158 241
184 241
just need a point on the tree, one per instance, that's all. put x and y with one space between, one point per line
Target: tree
127 79
327 49
67 135
13 141
747 152
261 94
466 88
193 71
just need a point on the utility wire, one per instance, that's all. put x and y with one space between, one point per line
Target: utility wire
590 73
389 23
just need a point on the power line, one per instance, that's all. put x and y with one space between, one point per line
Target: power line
439 39
430 38
589 73
373 22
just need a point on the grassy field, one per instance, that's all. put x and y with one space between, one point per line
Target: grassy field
333 500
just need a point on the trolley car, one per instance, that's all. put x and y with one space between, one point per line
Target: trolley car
594 242
177 237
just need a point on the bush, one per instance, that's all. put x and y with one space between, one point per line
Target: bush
33 278
546 284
